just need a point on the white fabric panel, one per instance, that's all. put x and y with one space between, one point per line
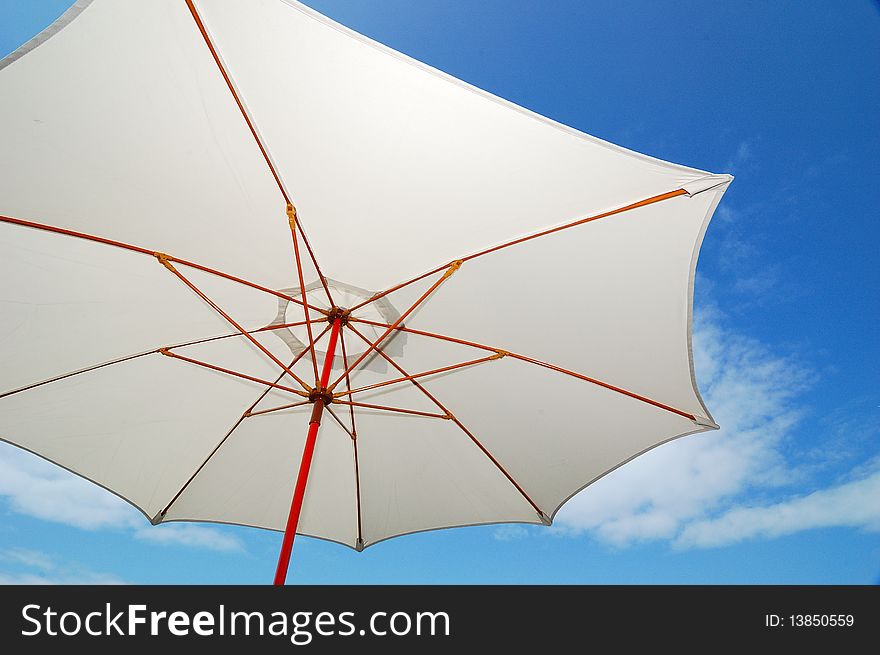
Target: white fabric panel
250 479
67 304
422 473
608 299
139 428
551 432
396 170
121 126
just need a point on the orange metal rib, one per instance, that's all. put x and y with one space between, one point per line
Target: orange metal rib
70 374
353 435
376 296
268 328
152 253
372 346
278 409
459 424
291 214
339 422
538 362
414 376
399 410
249 412
302 233
232 321
257 138
241 419
227 371
228 80
619 210
348 384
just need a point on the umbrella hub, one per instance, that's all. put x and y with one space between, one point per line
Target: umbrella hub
320 394
338 312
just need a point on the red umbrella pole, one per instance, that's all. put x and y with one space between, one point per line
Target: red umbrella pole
304 466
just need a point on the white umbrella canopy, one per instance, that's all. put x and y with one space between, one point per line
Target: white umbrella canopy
154 274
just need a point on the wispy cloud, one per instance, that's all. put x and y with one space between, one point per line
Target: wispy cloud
855 504
754 396
22 566
29 558
86 577
512 532
37 488
742 156
759 283
195 536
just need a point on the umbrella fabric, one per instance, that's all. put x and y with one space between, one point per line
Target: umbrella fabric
150 150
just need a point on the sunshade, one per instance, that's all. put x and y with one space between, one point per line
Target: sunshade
196 194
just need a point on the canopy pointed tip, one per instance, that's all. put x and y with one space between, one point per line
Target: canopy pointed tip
706 183
706 423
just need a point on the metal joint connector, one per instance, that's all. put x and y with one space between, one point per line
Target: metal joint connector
454 266
164 259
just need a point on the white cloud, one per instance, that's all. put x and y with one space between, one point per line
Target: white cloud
510 532
33 567
35 487
743 155
25 557
85 577
854 504
180 534
752 394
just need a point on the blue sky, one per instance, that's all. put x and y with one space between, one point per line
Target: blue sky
784 95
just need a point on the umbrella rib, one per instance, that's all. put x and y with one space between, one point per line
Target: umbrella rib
168 353
232 321
359 544
348 384
314 259
353 434
340 422
297 404
558 228
152 253
213 452
278 409
220 369
538 362
415 376
268 328
291 218
399 410
450 270
257 138
451 416
71 374
152 351
235 96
